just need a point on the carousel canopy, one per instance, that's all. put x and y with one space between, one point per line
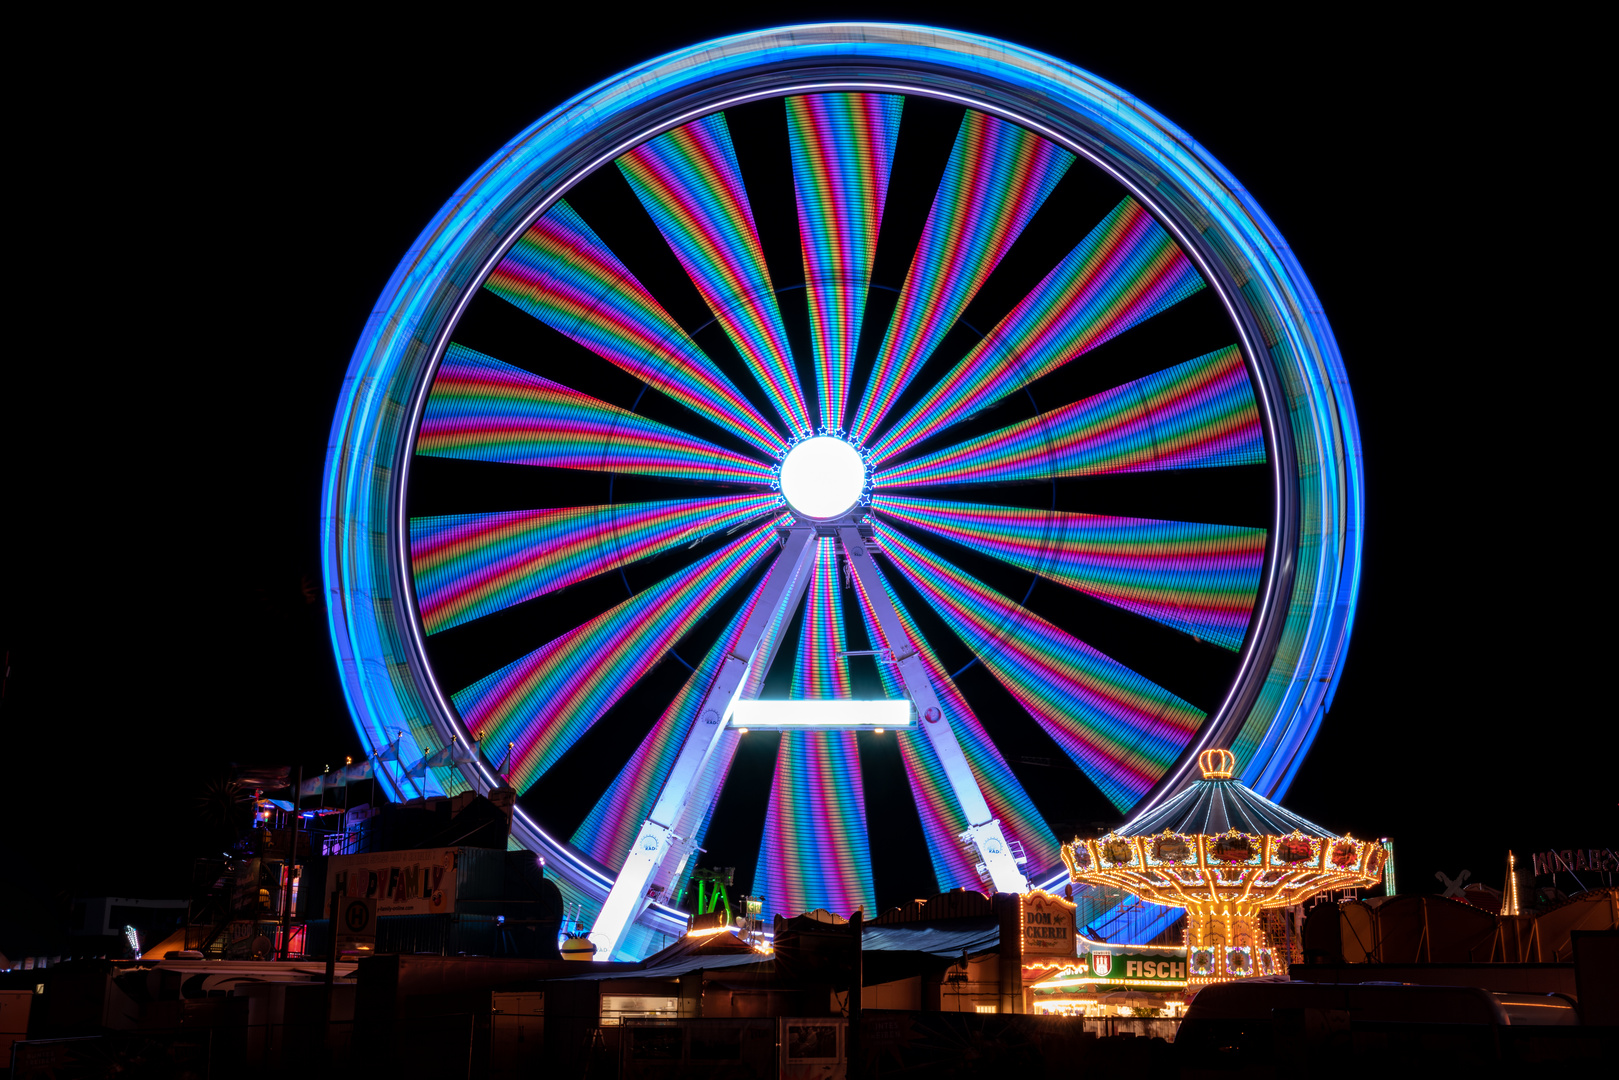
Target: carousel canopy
1218 803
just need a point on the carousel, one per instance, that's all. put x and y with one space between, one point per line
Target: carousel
1225 854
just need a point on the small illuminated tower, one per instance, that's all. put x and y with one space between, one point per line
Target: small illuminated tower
1224 853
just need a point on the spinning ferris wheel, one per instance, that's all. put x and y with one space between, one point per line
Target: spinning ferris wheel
828 379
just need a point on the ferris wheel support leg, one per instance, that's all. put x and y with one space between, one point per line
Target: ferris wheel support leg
783 590
983 829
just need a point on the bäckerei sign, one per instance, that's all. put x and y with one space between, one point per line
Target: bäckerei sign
1047 924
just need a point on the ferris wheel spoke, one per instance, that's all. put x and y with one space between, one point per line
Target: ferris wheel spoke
843 154
1124 272
543 702
470 565
482 409
562 273
1121 729
611 826
690 183
1196 415
937 805
998 176
1200 579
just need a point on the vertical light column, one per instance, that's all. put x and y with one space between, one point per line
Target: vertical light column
843 152
815 852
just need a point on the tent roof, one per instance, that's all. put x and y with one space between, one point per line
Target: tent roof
945 937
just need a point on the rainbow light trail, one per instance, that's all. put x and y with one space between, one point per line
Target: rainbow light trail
611 826
1121 729
843 152
484 410
769 645
689 181
470 565
1125 272
545 701
815 852
998 176
817 808
561 273
942 820
1196 415
822 671
1201 579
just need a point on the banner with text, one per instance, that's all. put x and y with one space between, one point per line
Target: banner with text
401 882
1125 967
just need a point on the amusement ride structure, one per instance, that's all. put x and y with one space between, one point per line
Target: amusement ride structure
824 380
1224 853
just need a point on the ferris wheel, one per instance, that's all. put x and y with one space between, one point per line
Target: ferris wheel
824 380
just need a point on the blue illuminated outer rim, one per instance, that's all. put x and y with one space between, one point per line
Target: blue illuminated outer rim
1293 655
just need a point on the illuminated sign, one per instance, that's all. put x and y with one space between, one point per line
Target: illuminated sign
1102 965
1553 862
1123 967
1046 924
1155 969
1101 968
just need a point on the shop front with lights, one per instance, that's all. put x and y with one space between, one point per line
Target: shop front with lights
1107 980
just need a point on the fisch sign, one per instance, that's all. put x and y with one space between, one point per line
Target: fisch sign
1155 969
1123 967
401 882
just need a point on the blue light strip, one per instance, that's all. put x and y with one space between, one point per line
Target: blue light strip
371 614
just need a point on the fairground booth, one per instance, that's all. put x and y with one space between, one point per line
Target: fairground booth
1113 980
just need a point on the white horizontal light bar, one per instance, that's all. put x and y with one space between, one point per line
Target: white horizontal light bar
831 713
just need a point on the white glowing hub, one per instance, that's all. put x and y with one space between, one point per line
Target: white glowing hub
822 478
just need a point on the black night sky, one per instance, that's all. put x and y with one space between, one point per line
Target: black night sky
212 212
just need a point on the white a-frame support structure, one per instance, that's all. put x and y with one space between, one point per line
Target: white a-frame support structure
782 593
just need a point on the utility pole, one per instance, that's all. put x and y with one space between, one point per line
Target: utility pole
292 854
331 968
855 1063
